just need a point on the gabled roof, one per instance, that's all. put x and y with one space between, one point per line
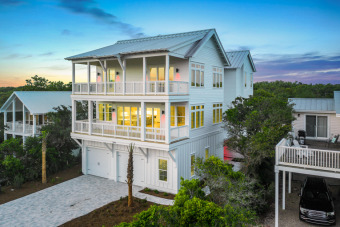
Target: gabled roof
318 105
237 59
160 43
40 102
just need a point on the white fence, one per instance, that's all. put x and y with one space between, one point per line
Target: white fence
132 88
307 158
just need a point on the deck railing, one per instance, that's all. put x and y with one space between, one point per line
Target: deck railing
307 157
132 88
19 128
178 133
155 134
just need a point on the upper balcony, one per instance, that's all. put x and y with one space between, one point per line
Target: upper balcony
157 75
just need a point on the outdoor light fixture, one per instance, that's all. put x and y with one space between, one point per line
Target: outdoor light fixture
113 110
98 74
177 70
117 73
298 115
163 112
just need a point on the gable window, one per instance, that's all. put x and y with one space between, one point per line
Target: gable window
177 115
316 126
105 112
197 116
162 169
197 75
206 152
217 113
192 165
217 77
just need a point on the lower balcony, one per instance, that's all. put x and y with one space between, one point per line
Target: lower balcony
131 132
19 128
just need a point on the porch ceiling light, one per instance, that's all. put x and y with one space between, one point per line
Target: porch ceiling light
117 73
163 112
177 70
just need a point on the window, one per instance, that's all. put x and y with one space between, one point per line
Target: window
163 169
217 77
197 116
153 117
206 152
129 116
158 73
217 113
316 126
177 115
245 79
105 112
197 75
192 165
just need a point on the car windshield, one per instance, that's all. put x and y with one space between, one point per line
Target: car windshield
315 195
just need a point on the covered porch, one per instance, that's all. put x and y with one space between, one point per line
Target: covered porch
135 75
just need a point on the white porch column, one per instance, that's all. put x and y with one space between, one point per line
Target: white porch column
13 115
167 123
5 123
283 190
143 121
290 182
124 75
74 114
105 77
90 115
167 91
34 125
88 77
23 119
144 75
276 197
73 76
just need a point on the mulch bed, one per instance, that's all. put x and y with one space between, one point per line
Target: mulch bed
9 193
111 214
157 193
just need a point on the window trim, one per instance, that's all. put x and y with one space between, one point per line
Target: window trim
205 154
220 108
200 76
192 165
195 111
219 77
167 169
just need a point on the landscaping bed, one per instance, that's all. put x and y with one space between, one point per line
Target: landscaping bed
9 193
157 193
111 214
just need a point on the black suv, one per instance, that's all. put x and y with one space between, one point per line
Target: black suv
316 203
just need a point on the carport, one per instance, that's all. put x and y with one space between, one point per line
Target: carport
314 162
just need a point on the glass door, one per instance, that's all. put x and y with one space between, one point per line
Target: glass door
311 126
322 126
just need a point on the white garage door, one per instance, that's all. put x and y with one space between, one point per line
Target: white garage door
98 162
138 168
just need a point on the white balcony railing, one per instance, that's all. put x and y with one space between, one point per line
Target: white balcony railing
178 133
19 128
122 131
155 134
132 88
81 126
307 158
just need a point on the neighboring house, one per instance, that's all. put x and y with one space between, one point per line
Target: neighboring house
25 111
165 94
238 78
319 117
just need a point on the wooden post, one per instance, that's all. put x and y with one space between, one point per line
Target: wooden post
13 115
88 77
34 125
74 108
283 190
5 123
144 75
43 152
167 123
142 121
90 116
276 197
124 75
23 119
167 91
290 182
105 77
73 77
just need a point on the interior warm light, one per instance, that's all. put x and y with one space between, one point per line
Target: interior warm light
99 79
117 78
178 77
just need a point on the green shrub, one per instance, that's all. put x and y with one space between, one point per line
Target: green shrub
147 189
165 194
12 167
156 191
18 181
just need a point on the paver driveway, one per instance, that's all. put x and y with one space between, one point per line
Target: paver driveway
63 202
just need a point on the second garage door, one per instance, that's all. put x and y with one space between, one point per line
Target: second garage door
98 162
138 168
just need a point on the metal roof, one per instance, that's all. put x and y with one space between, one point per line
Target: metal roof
160 43
320 105
237 59
40 102
337 102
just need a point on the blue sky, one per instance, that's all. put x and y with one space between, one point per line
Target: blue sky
289 40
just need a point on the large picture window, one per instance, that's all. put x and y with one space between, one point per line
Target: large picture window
129 115
177 115
217 77
217 113
163 169
316 126
197 75
197 116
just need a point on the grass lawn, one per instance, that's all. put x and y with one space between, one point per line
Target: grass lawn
10 193
111 214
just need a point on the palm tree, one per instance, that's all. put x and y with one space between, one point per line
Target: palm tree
43 153
130 174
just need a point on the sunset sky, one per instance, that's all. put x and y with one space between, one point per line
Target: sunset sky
289 40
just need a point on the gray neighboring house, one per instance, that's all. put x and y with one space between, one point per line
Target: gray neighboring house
319 117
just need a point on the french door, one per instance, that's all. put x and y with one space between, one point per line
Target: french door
316 126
